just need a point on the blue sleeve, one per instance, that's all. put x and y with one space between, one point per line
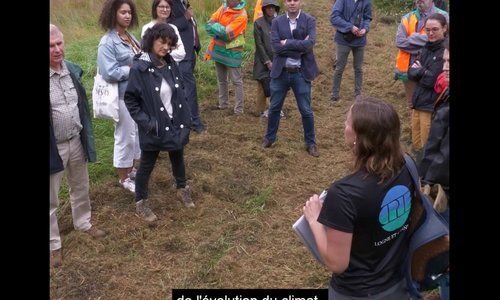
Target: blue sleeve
337 17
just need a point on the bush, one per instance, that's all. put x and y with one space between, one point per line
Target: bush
394 7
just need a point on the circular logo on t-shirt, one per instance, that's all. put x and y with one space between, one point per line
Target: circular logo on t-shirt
395 208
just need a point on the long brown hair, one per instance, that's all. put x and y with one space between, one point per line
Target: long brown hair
377 149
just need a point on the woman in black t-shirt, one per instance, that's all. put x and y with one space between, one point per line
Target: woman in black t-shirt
361 228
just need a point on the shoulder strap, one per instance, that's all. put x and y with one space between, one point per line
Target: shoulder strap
432 227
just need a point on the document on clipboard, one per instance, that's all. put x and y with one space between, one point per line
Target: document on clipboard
302 229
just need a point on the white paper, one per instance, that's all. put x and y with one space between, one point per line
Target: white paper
302 229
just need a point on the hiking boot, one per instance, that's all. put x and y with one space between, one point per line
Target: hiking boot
95 233
266 143
128 184
313 150
185 195
143 210
56 258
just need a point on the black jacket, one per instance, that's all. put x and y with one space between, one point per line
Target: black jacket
263 50
86 134
157 132
185 27
431 59
435 164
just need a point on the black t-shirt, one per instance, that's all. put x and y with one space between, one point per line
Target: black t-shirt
377 215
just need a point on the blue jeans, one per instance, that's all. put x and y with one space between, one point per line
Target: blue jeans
302 91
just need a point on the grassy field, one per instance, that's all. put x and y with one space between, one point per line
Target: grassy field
239 235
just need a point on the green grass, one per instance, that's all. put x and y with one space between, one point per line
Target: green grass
82 35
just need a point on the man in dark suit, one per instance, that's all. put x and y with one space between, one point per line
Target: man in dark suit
183 17
292 37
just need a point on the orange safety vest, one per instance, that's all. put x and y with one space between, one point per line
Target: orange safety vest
257 12
403 58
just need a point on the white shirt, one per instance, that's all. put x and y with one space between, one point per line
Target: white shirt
166 97
292 62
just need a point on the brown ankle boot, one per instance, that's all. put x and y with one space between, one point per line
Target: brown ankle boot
56 258
143 210
185 195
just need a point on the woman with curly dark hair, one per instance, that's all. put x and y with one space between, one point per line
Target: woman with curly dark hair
114 58
157 103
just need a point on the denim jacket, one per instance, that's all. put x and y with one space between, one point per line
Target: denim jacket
114 58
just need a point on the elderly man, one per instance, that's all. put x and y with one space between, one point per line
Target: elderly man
292 38
410 39
71 143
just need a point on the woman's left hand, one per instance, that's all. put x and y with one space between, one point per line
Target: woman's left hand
312 208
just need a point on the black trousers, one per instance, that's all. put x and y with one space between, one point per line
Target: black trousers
187 69
148 160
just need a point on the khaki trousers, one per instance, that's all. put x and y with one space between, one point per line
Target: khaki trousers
77 175
260 98
222 79
420 126
409 89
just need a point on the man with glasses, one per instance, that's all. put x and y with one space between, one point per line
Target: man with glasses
293 36
183 17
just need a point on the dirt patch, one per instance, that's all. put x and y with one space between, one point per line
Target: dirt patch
239 235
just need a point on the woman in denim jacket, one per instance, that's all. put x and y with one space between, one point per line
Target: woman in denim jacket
114 58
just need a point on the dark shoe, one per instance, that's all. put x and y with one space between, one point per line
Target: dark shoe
143 210
56 258
334 100
266 143
313 150
201 130
95 233
218 107
185 195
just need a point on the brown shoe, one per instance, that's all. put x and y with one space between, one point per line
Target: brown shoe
266 143
313 150
56 258
144 211
185 195
95 233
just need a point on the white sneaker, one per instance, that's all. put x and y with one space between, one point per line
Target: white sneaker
128 184
282 115
265 113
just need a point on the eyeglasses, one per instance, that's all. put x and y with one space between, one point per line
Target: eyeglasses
163 7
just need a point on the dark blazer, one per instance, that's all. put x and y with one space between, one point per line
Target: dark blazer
185 27
86 134
157 132
263 49
296 47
